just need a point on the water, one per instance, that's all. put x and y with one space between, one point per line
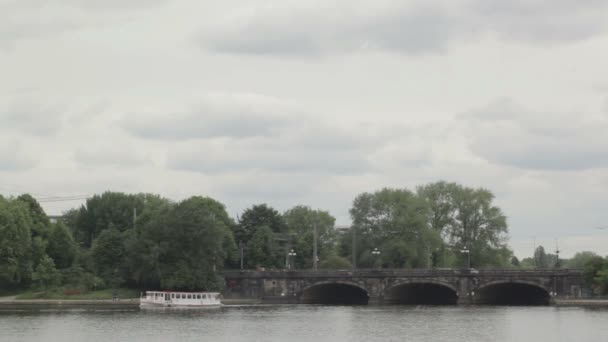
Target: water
311 323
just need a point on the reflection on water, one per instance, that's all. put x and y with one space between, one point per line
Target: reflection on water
310 323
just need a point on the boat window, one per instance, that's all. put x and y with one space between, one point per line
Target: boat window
173 295
189 296
204 296
198 296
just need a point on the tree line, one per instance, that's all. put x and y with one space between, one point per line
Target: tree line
149 242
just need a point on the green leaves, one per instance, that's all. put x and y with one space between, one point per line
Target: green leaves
419 229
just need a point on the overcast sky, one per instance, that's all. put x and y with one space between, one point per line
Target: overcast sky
313 102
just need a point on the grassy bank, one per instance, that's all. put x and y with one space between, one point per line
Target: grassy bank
90 295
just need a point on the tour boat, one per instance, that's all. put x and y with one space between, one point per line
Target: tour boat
180 299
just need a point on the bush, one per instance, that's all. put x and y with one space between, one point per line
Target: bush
335 262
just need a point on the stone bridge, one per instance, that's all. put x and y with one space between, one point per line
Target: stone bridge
406 286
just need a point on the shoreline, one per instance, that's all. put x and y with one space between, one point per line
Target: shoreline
134 303
595 303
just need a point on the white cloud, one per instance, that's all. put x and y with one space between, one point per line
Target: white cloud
412 27
506 133
238 116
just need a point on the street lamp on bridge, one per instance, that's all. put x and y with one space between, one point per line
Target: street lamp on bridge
291 255
376 253
466 251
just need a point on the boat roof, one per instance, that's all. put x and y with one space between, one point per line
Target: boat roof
202 292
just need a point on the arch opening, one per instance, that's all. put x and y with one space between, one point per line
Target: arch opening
334 294
421 294
512 293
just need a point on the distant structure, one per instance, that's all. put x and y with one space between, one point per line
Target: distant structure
342 229
55 218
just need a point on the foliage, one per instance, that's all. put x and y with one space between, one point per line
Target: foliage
255 217
46 275
199 242
335 262
594 273
540 257
301 223
262 249
395 222
61 246
580 259
106 211
108 252
15 244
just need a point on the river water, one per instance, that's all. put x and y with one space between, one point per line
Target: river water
310 323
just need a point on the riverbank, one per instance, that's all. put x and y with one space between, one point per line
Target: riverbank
582 302
97 304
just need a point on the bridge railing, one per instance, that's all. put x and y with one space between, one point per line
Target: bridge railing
398 272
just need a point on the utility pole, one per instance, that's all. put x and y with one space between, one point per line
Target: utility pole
242 254
354 232
134 216
314 247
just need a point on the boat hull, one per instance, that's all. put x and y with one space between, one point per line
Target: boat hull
148 305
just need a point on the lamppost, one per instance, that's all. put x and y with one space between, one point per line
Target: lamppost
557 263
291 255
376 253
466 251
242 253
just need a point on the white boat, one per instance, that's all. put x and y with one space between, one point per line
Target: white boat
180 299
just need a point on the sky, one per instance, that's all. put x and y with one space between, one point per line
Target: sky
313 102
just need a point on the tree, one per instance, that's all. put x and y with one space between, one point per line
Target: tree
61 246
105 211
592 273
257 216
108 252
46 275
198 240
540 257
479 226
301 223
395 222
40 221
580 259
335 262
262 250
15 243
515 261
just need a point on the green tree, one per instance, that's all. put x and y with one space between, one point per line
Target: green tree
61 246
106 211
108 253
301 223
479 226
515 262
15 243
580 259
592 273
149 242
199 240
540 257
335 262
255 217
395 222
46 275
40 221
262 249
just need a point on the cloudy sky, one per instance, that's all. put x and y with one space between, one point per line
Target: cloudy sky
313 102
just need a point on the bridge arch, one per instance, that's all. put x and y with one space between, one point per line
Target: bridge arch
511 292
421 292
334 293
